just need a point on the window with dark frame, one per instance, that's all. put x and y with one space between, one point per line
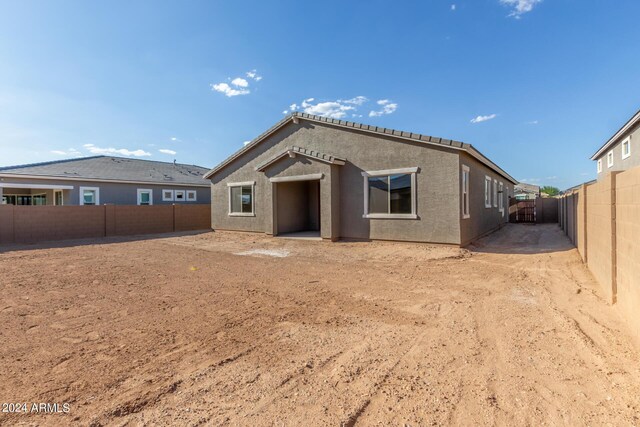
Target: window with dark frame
390 194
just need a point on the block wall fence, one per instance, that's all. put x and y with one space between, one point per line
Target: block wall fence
603 220
32 224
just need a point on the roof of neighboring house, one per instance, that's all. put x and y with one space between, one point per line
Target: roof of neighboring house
415 137
526 188
108 168
624 129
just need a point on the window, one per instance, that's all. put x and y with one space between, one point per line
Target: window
167 195
89 196
501 198
39 199
487 191
626 147
58 198
145 197
599 165
390 193
241 202
179 195
465 192
495 193
191 195
610 159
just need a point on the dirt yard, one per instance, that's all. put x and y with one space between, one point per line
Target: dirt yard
241 329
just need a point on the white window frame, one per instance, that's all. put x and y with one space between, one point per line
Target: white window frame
175 195
626 141
487 191
501 198
61 197
251 184
610 159
406 171
599 165
495 193
167 199
465 191
195 195
96 195
145 190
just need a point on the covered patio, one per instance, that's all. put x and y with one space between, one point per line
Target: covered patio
34 194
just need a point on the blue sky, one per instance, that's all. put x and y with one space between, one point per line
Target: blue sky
548 81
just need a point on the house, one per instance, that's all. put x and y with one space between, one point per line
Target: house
619 153
103 180
342 180
524 191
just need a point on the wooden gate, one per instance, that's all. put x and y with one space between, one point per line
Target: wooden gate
522 211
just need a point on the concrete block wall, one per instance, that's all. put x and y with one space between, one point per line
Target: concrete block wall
628 245
606 231
601 233
32 224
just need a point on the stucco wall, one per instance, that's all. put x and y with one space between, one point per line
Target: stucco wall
628 245
620 164
113 193
437 185
482 219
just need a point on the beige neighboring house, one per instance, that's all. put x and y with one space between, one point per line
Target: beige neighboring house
333 179
524 191
619 153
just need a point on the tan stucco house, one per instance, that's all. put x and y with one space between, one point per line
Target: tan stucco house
342 180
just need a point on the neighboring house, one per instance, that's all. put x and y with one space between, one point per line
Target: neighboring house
619 152
524 191
339 179
103 180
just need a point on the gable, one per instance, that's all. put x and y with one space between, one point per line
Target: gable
390 135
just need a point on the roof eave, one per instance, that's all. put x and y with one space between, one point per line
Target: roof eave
408 136
628 125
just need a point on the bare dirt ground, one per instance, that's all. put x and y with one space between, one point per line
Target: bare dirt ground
242 329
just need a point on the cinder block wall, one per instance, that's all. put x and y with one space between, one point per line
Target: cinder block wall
599 233
580 215
32 224
628 245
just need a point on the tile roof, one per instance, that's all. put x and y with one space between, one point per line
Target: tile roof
327 158
366 128
113 169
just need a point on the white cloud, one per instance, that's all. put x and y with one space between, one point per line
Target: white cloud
358 100
332 109
529 180
239 85
533 122
520 7
167 151
70 152
228 90
453 7
388 107
240 82
175 139
122 151
340 108
253 74
481 119
246 143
